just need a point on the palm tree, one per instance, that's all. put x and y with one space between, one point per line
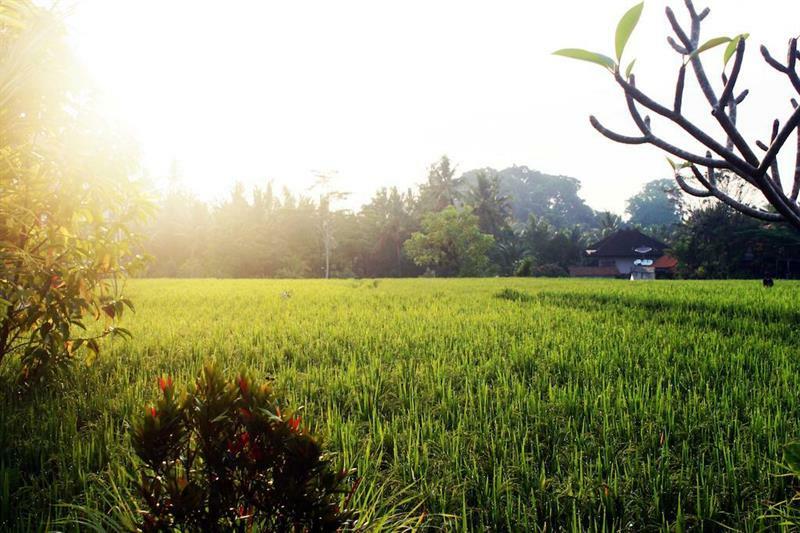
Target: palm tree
492 208
442 189
609 223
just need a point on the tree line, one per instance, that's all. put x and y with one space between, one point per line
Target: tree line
515 221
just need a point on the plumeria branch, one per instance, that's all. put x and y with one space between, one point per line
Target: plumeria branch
734 154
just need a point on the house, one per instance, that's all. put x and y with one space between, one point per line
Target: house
627 253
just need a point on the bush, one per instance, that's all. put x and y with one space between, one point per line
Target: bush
225 457
526 268
67 205
549 271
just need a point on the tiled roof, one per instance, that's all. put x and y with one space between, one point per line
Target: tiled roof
624 243
666 262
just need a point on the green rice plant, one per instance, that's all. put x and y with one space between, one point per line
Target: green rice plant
596 405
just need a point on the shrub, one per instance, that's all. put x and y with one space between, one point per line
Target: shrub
225 457
523 267
551 270
67 205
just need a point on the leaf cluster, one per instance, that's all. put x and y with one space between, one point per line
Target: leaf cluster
68 209
224 457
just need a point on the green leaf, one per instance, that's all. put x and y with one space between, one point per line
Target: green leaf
629 69
731 48
626 26
677 166
709 44
585 55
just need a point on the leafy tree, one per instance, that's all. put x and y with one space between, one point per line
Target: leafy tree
179 236
545 245
732 153
451 243
657 204
443 189
387 221
67 204
608 223
492 207
553 198
719 242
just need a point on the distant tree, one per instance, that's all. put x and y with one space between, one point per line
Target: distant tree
492 207
545 245
717 241
553 198
608 223
387 221
442 189
657 204
451 243
731 153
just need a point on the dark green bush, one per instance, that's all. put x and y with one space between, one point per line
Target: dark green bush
224 457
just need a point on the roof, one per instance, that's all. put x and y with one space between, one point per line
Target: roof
666 262
593 272
625 243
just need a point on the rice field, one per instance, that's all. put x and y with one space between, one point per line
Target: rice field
465 405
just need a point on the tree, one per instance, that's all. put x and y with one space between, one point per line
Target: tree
442 189
326 198
608 223
387 221
732 154
719 242
657 204
451 243
67 203
492 207
545 245
554 198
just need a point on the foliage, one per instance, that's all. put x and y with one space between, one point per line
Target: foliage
719 242
553 198
67 205
545 245
659 203
267 235
442 189
549 270
225 458
451 243
461 411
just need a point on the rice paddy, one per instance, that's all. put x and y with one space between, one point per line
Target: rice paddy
469 405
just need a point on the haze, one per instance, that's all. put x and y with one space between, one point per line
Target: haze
376 91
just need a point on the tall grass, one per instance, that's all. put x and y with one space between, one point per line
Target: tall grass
464 404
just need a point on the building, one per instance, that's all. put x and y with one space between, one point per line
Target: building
628 253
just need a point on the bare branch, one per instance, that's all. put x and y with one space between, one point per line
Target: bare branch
734 161
779 141
679 89
791 73
700 193
737 67
796 185
624 139
678 48
739 206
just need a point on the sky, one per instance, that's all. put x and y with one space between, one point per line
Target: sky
374 91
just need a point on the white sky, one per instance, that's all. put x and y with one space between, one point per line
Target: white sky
377 90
